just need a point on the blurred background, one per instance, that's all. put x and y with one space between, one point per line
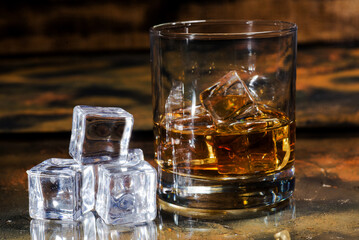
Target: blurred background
56 54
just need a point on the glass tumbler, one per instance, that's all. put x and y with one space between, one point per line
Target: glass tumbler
224 115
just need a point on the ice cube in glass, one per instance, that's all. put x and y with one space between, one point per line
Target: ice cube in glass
60 189
228 98
100 134
175 99
126 194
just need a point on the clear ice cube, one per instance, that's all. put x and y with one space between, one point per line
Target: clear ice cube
134 156
234 109
126 194
144 231
263 88
228 99
60 189
175 99
100 134
180 141
247 130
54 229
267 90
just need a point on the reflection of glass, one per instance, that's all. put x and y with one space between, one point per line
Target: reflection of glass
224 115
145 231
259 225
56 229
282 216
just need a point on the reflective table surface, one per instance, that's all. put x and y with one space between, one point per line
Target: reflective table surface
325 203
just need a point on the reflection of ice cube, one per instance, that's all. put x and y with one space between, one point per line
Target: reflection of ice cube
54 229
228 98
99 134
175 99
56 189
126 194
145 231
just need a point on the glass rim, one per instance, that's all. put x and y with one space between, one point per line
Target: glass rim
169 29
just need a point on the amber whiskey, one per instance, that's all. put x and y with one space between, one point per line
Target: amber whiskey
190 144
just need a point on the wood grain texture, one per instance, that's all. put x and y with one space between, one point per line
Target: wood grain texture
37 94
50 61
58 26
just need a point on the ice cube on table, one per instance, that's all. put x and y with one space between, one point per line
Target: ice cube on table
60 189
144 231
100 134
228 98
55 229
126 194
134 156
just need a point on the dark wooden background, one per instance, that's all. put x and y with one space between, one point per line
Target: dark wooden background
57 54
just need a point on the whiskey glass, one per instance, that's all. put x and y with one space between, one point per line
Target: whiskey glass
224 115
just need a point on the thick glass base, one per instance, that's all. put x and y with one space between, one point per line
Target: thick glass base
224 198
